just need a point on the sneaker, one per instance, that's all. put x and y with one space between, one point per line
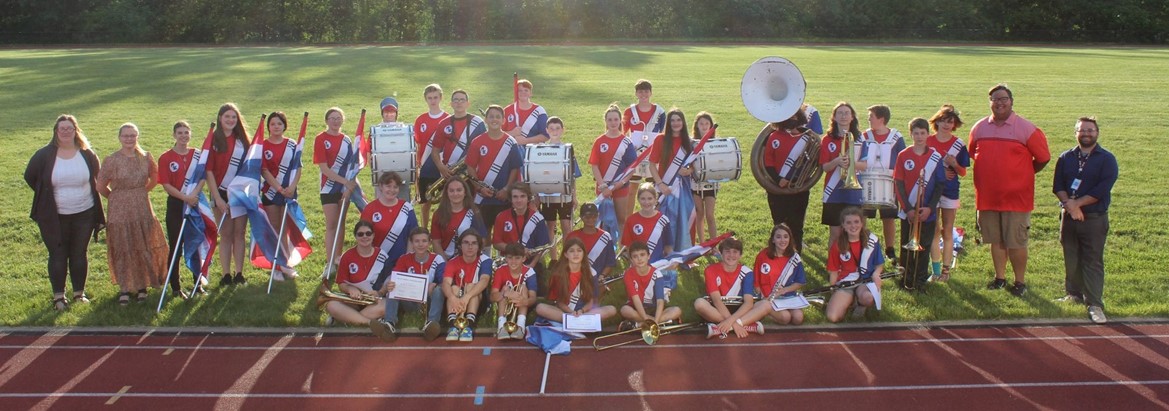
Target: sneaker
996 284
1019 289
467 335
1071 299
199 289
520 333
858 313
386 331
891 253
502 334
277 276
289 273
625 325
712 331
329 321
1096 313
239 279
757 328
430 330
453 334
225 281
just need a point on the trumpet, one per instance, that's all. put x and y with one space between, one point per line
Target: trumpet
915 226
849 178
324 295
461 322
513 313
649 332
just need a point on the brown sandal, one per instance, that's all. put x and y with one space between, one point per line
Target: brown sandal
60 304
945 274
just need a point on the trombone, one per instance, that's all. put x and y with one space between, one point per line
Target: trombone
915 226
650 332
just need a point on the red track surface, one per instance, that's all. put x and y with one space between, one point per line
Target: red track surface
1120 367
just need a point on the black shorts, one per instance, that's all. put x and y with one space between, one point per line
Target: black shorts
424 184
830 216
556 211
265 201
334 198
886 212
712 193
222 194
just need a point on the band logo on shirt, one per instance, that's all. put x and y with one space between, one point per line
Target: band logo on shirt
604 147
448 130
910 165
765 268
638 229
267 154
174 167
831 146
328 145
718 281
377 217
483 150
422 128
846 256
353 268
511 118
508 226
775 144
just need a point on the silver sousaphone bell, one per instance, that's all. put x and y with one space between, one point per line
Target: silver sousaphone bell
773 89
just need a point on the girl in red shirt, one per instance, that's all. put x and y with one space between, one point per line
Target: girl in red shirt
276 146
229 134
572 288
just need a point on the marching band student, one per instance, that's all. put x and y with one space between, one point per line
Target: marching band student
643 120
842 131
644 285
556 208
427 133
392 219
172 171
333 153
704 193
598 243
355 279
879 148
728 278
919 167
516 283
612 153
455 136
228 148
521 223
854 257
781 150
278 153
526 121
456 213
649 225
666 156
390 117
419 261
957 159
496 160
572 288
779 273
465 278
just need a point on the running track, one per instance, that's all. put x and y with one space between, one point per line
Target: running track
1119 366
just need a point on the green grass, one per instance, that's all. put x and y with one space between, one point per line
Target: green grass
153 87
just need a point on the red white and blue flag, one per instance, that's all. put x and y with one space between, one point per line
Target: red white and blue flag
201 234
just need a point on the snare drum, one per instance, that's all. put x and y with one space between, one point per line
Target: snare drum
719 161
393 149
877 189
548 168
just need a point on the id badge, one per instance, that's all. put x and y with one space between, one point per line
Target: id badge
1075 185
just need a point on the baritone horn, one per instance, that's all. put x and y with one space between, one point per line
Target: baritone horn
324 295
773 91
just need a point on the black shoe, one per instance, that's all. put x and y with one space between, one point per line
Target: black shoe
198 290
1019 289
891 254
997 284
239 279
225 281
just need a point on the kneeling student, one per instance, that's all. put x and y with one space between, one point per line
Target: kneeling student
724 282
418 261
644 286
779 274
465 278
355 280
513 285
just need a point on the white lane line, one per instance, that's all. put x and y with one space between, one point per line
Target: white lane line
26 356
120 393
987 375
1048 384
869 376
245 382
48 402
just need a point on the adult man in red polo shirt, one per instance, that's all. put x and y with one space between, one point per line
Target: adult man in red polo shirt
1007 151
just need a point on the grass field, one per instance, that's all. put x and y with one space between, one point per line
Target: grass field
153 87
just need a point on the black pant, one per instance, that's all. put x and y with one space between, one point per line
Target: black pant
174 223
790 209
917 264
1083 256
69 257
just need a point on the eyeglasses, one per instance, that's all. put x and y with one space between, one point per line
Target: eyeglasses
364 234
1000 99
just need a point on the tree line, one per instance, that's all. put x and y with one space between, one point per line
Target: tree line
364 21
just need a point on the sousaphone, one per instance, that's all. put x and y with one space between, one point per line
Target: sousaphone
773 90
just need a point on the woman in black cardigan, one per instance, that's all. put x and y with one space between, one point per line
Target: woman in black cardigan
66 205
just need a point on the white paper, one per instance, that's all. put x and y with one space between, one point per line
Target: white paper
794 302
409 287
583 323
876 294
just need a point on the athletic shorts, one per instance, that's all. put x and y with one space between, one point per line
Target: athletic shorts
886 212
950 203
334 198
1008 229
556 211
830 215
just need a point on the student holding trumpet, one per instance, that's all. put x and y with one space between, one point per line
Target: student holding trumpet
465 277
919 177
513 288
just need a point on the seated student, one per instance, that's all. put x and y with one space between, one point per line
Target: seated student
572 288
419 261
779 273
642 283
355 279
724 281
514 284
521 223
860 261
456 213
392 221
464 279
598 243
919 168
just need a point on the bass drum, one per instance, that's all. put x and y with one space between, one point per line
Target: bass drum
807 166
548 168
877 189
720 161
393 150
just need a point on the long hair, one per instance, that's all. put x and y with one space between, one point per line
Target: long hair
853 130
79 139
560 274
470 232
772 251
137 147
702 115
842 240
667 153
219 140
443 215
799 119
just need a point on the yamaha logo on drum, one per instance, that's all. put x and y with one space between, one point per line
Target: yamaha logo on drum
547 154
638 229
174 167
910 165
604 147
377 217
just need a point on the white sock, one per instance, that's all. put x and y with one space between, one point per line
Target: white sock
502 320
522 320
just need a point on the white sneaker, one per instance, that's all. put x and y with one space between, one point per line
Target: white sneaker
520 333
1096 313
277 276
712 330
289 273
501 334
329 321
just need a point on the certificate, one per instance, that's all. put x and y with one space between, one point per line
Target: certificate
409 287
789 303
583 323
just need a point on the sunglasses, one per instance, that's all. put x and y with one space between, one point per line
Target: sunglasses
364 234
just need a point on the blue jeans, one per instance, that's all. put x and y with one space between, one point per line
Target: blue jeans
437 305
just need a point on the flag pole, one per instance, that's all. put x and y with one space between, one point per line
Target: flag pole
170 269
